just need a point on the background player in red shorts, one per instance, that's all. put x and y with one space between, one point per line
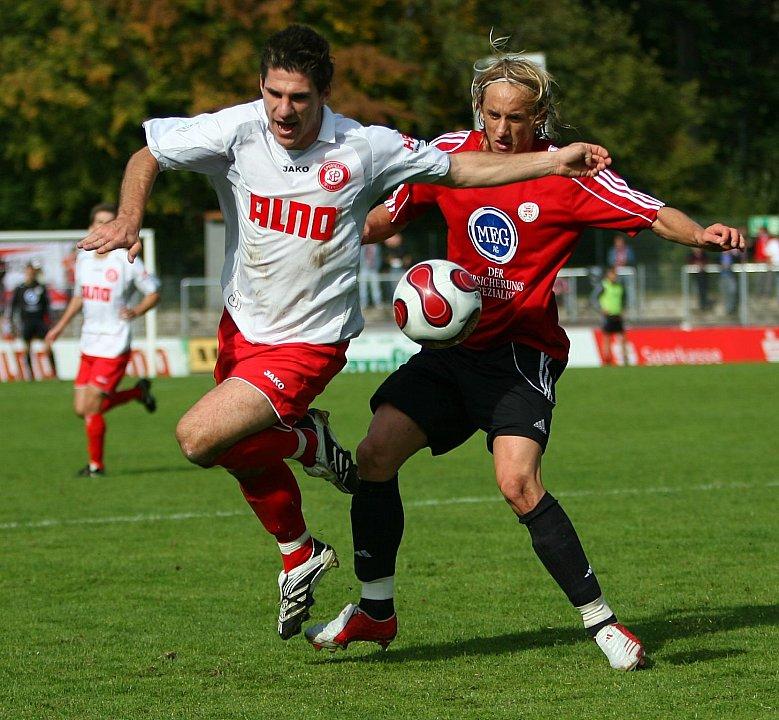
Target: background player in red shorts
295 182
103 289
514 240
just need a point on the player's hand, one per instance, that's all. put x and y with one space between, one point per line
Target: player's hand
51 337
119 233
721 237
581 159
128 313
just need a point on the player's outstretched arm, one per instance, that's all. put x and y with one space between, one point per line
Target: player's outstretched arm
486 169
378 226
674 225
139 176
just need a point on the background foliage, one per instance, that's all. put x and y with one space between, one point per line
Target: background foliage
683 94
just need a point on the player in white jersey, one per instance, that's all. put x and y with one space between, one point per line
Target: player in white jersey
103 290
295 182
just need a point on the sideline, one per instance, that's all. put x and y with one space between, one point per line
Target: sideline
658 490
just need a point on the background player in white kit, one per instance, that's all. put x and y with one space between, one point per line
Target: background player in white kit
295 183
104 286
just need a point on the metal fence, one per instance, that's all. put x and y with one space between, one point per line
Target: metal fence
662 294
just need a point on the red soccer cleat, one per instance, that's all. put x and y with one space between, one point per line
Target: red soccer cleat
352 625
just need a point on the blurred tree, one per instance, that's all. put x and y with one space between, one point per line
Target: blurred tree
79 77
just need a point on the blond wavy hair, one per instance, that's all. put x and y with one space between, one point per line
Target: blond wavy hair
516 69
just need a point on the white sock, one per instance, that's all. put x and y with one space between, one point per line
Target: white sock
302 442
381 589
292 545
595 612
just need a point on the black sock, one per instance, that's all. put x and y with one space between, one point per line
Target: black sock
595 629
378 609
377 528
557 546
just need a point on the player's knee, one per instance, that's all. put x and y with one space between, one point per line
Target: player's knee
522 489
375 461
193 444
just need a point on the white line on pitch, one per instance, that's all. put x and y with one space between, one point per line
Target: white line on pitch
658 490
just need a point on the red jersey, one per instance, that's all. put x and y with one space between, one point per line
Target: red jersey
514 239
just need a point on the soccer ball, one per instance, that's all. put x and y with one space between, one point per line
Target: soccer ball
437 304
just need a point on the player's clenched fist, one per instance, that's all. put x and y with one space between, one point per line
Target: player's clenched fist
581 159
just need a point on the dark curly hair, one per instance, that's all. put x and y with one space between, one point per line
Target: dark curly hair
298 48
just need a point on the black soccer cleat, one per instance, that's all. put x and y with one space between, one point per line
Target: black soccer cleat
147 399
332 462
89 471
296 588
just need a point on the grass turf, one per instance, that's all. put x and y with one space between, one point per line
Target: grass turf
151 592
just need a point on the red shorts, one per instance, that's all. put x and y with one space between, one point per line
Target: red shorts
103 373
289 375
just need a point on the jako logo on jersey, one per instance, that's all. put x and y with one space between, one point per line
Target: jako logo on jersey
333 175
93 292
111 275
493 234
528 212
268 374
296 168
293 217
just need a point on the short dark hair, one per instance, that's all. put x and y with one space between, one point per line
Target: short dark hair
102 207
299 49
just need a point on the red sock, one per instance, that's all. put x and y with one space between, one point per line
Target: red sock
268 447
120 398
95 428
275 498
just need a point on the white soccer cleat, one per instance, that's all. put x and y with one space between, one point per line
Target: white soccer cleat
332 462
296 588
623 649
352 625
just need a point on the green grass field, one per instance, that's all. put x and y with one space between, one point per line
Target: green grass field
151 593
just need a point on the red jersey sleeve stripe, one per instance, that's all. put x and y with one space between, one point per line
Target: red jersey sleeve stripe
449 142
395 202
621 184
606 200
617 185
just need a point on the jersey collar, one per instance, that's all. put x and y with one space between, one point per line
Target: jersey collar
327 130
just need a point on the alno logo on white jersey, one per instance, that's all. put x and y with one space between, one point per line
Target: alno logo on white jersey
493 234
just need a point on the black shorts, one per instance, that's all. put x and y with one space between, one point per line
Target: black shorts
34 329
451 393
613 324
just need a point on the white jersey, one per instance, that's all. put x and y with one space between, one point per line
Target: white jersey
293 220
105 284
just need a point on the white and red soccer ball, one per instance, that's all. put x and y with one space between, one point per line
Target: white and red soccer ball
437 304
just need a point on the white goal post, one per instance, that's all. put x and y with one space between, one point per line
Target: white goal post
30 237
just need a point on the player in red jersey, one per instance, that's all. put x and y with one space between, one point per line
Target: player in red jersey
514 240
295 182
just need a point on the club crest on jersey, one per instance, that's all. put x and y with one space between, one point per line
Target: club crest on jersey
333 175
111 275
493 234
528 212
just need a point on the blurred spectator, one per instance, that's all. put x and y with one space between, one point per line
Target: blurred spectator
698 259
759 254
30 301
398 258
620 254
370 265
728 282
612 304
772 258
